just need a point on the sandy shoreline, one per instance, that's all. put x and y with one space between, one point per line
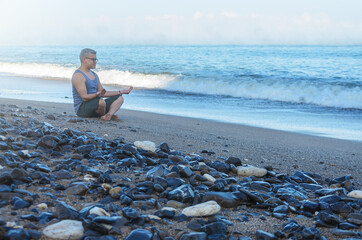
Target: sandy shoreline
284 151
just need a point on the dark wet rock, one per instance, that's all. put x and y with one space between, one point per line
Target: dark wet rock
164 147
286 193
221 166
174 182
233 160
329 218
309 233
186 172
224 199
85 149
291 226
64 211
6 179
45 217
19 203
216 228
253 196
262 235
130 213
183 194
76 189
310 206
194 236
165 213
340 233
158 171
301 177
312 187
335 191
138 234
355 218
63 174
346 226
48 141
19 234
341 208
42 168
330 199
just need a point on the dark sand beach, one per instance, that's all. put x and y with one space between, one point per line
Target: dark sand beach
285 151
280 152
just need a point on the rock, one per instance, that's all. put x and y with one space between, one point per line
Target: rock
175 204
203 209
130 213
288 192
262 235
221 166
234 160
183 193
217 228
248 171
77 189
209 178
99 211
158 171
63 174
145 145
66 229
64 211
48 142
224 199
355 218
164 147
139 234
166 212
194 236
18 234
355 194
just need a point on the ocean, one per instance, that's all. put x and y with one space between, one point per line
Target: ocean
314 90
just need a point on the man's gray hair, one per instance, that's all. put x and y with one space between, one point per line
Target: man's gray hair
85 52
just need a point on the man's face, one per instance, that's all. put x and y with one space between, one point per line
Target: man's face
91 61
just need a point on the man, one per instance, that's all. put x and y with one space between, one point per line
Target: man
88 91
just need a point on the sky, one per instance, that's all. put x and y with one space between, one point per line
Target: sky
77 22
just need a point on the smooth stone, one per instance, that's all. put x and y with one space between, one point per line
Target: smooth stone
224 199
166 212
17 234
304 177
209 178
219 228
48 142
194 236
64 211
355 194
329 218
145 145
63 174
203 209
20 204
310 206
174 182
234 160
175 204
186 172
330 199
262 235
183 193
355 218
248 171
64 230
130 213
158 171
221 166
340 232
291 192
139 234
85 149
99 211
310 233
77 189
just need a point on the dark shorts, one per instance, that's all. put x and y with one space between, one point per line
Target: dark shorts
89 108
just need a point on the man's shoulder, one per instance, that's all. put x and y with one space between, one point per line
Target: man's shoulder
78 76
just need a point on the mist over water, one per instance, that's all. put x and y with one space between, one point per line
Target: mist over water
310 89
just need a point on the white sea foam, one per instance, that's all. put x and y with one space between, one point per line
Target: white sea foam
298 91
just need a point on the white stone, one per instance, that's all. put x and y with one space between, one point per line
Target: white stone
355 194
1 167
99 211
247 171
209 177
64 230
42 206
203 209
89 177
2 138
145 145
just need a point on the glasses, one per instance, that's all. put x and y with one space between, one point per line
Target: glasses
93 59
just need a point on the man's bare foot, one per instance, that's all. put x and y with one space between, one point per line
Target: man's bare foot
106 117
115 118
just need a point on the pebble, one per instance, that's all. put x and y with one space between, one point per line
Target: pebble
66 229
202 210
247 171
145 145
355 194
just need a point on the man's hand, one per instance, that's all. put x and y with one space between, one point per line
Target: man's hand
126 91
101 93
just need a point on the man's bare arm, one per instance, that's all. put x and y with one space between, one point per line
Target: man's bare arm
78 82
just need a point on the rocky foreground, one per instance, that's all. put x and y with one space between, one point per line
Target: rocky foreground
67 184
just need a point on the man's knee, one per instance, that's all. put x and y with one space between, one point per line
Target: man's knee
102 103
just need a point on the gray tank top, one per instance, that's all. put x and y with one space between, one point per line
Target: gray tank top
91 86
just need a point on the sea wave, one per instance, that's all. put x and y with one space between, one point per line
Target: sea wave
329 94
